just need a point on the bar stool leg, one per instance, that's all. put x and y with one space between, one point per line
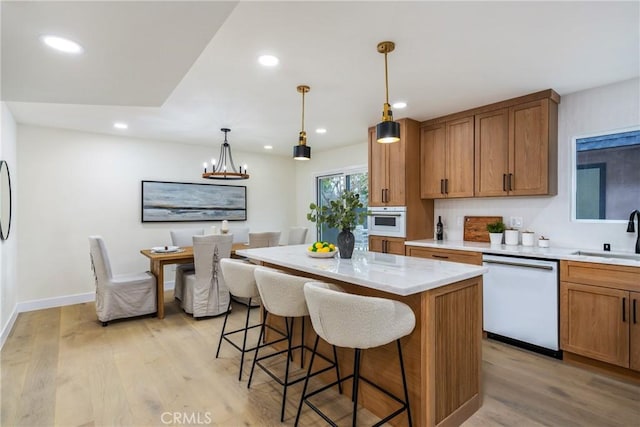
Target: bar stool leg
253 365
224 325
356 379
306 380
404 383
286 370
335 360
244 340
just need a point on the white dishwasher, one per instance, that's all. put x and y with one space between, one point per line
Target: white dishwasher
520 302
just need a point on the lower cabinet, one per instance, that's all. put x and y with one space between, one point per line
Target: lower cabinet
600 312
386 245
452 255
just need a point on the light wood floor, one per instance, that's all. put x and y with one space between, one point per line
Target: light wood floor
61 367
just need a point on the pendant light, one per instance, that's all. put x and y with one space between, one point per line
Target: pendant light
302 151
224 168
387 131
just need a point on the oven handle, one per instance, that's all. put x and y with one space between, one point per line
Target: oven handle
383 214
519 264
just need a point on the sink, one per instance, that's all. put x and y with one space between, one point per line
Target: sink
608 255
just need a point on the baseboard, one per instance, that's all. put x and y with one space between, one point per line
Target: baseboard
41 304
8 327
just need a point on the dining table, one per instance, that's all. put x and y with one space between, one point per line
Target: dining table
182 255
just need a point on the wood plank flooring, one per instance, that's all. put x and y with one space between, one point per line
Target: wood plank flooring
60 367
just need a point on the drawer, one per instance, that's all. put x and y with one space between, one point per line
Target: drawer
607 275
465 257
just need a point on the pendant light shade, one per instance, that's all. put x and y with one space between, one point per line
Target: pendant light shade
387 131
302 151
224 168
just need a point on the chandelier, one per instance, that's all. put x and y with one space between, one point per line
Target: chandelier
224 168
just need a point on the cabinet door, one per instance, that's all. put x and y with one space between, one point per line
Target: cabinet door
491 153
529 148
634 332
388 245
432 161
459 158
375 243
594 322
377 170
396 170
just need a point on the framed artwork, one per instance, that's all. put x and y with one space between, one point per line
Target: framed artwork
181 201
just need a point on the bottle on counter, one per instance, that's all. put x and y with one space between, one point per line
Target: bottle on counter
439 229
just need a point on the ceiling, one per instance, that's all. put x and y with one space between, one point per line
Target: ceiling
180 71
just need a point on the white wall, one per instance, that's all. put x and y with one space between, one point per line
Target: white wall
76 184
9 247
324 162
609 107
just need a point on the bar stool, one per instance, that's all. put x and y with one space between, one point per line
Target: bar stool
283 295
358 322
240 281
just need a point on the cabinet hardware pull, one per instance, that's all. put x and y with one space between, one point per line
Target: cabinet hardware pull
442 186
504 182
386 195
510 182
439 256
446 186
385 249
624 306
635 319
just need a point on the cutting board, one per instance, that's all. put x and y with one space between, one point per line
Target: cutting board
475 227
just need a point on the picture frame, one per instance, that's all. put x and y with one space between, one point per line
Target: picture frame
166 201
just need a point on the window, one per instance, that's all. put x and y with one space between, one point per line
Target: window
606 175
329 186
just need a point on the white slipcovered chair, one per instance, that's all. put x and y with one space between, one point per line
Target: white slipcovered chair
240 234
205 291
119 296
264 240
183 237
358 322
297 235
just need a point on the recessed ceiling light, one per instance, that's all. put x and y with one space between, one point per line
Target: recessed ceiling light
268 147
120 125
63 45
321 130
399 105
268 60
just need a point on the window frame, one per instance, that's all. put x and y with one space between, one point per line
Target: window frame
574 173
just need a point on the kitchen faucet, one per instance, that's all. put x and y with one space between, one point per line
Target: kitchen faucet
631 228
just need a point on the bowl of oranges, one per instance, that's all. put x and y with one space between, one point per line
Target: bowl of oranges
321 250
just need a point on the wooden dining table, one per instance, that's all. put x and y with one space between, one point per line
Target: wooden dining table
157 261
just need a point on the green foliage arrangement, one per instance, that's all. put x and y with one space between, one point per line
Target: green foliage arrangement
341 213
496 227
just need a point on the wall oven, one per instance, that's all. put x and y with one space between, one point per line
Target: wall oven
388 221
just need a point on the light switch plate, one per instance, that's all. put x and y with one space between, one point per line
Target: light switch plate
515 222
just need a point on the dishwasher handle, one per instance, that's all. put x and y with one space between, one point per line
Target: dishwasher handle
518 264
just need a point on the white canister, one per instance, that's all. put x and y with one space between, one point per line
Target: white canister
527 238
511 237
543 243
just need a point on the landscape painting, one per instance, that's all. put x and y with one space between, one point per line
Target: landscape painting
180 202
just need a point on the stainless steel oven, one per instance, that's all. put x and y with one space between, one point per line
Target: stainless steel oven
388 221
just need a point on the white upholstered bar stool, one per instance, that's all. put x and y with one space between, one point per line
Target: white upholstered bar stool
358 322
283 295
241 282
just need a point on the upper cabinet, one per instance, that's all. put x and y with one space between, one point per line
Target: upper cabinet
508 148
446 153
516 150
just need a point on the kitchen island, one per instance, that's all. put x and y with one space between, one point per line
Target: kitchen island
442 356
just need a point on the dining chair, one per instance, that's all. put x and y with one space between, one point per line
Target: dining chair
240 234
119 296
297 235
205 291
183 237
264 240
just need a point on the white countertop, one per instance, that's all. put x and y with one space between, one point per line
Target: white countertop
529 251
395 274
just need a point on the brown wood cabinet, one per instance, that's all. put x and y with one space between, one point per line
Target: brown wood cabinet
394 180
446 157
451 255
599 312
516 150
386 245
